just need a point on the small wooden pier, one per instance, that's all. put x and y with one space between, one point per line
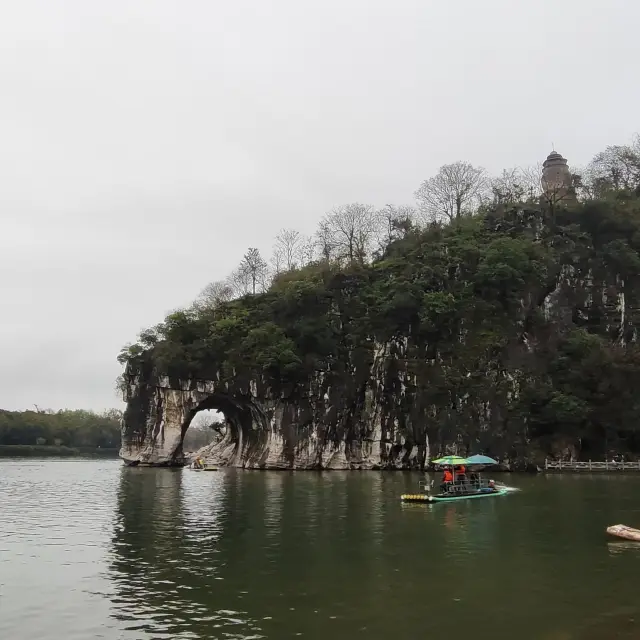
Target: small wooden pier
573 465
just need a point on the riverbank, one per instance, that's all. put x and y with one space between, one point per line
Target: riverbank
30 451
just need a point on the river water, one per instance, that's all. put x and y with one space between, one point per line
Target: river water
92 549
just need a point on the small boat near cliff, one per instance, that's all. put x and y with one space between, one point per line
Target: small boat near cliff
622 531
199 465
461 486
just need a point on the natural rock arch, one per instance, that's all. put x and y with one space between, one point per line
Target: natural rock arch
322 429
247 435
160 410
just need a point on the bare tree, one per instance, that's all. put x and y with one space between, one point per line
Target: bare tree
456 190
617 167
307 250
325 240
277 261
214 294
348 233
287 245
585 182
240 281
506 187
531 177
394 223
517 185
254 268
264 279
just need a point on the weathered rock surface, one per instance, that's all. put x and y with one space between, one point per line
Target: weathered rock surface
348 427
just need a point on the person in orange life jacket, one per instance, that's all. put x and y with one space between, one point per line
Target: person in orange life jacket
461 472
447 478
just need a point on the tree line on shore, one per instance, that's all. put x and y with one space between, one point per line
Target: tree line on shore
65 428
80 429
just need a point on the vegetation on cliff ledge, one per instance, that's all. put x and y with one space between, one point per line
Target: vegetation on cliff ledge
511 315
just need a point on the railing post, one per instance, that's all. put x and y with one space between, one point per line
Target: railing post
560 464
546 464
623 464
606 463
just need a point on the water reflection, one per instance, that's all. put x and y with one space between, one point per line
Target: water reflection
92 549
622 547
165 552
242 554
274 554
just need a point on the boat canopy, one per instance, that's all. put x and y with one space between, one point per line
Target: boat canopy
471 460
450 460
480 459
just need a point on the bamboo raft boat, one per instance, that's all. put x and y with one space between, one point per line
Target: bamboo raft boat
450 497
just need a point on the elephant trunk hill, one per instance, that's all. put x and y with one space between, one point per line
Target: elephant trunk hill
512 332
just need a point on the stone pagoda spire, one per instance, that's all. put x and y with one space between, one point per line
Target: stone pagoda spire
556 178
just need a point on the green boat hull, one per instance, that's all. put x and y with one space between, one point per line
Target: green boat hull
423 497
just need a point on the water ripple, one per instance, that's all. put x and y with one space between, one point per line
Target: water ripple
91 549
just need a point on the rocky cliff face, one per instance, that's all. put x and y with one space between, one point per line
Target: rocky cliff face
499 337
338 423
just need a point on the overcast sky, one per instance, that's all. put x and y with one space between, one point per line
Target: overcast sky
145 144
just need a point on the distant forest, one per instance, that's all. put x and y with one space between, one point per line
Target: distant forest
66 428
78 429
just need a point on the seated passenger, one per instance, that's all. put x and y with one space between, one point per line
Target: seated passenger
447 479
